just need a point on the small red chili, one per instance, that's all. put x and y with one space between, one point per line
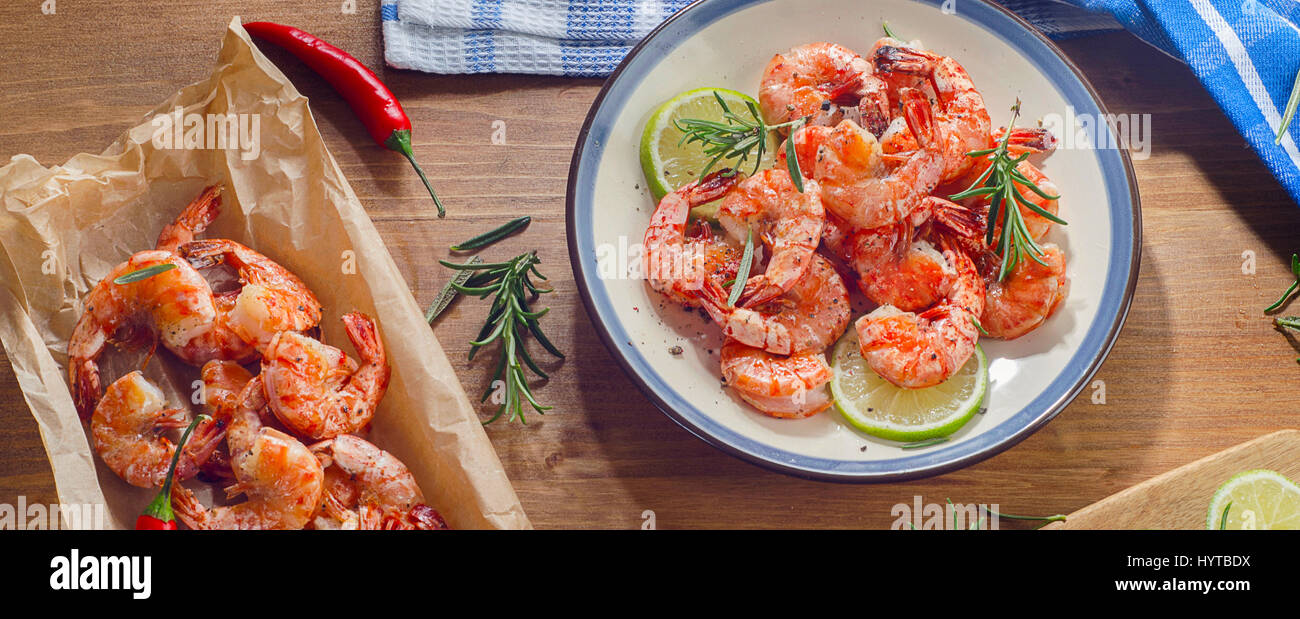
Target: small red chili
368 97
158 516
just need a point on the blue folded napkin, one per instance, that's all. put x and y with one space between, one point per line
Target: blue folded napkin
1245 52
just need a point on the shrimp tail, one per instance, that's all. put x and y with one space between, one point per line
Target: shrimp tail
1028 139
963 221
713 186
86 388
907 61
920 117
364 335
196 218
203 254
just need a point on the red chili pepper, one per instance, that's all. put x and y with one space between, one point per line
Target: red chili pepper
158 515
368 97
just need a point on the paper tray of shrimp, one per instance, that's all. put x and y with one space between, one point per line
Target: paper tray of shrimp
165 279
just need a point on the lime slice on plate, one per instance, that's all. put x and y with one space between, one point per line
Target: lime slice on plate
1261 499
668 165
877 407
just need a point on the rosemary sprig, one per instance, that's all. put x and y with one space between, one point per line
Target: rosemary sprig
1291 104
739 138
1295 270
1000 182
488 238
145 273
742 273
448 292
509 318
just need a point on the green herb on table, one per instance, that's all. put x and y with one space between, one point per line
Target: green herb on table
488 238
510 317
739 138
449 292
1291 104
1295 270
1000 182
145 273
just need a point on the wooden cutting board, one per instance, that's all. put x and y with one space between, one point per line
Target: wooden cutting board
1178 499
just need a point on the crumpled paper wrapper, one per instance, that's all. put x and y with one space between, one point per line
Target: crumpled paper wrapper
63 228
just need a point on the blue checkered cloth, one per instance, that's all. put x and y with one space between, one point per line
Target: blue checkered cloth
1245 52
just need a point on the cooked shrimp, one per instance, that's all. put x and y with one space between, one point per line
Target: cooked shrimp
222 383
369 488
281 477
860 186
962 120
922 350
126 429
271 300
790 387
677 266
1027 297
826 82
1022 140
808 317
787 222
192 221
175 306
896 267
316 390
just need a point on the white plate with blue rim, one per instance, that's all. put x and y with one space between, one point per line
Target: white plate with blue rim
727 43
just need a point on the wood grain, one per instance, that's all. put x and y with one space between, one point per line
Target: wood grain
1179 499
1198 368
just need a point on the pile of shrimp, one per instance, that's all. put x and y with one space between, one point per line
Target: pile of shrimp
886 140
286 435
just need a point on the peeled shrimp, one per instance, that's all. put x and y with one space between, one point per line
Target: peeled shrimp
316 390
962 120
175 306
809 317
222 383
281 477
786 221
861 187
922 350
675 265
1027 297
824 81
126 429
369 489
896 267
271 298
790 387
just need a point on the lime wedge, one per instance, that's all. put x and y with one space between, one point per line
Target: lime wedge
879 408
668 164
1261 499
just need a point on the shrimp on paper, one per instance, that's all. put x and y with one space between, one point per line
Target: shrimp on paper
788 387
127 427
271 299
1029 295
962 120
824 81
280 477
914 350
222 383
786 221
174 307
676 265
809 317
368 488
193 220
318 391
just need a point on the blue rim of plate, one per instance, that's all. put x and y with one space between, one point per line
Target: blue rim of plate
1117 294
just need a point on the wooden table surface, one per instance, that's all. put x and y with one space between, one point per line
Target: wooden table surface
1197 368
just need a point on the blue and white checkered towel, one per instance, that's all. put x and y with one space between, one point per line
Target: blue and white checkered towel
1245 52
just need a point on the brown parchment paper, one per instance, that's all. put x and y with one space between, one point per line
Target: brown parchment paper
62 228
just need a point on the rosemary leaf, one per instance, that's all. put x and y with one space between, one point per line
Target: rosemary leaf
1291 104
145 273
742 275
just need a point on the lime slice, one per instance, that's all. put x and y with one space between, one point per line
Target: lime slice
668 165
877 407
1261 499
